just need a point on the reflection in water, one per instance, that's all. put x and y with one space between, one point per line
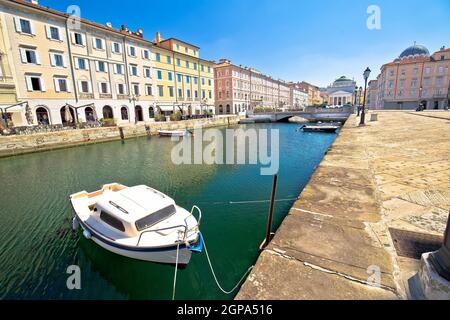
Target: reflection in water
37 246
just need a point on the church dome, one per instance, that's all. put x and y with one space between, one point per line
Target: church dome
415 50
343 78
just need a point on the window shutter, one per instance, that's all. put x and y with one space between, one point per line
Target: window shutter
52 60
57 88
97 66
69 88
38 59
33 31
90 87
77 61
72 36
17 24
64 61
48 32
100 87
23 55
93 42
43 88
29 84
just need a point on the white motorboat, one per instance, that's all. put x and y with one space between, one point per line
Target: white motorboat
331 128
138 222
173 133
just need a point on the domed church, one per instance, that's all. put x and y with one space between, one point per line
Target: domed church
416 79
341 92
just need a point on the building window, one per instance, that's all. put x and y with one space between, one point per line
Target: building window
180 93
85 87
171 92
61 85
24 26
149 89
81 64
136 89
196 94
147 73
120 88
210 94
195 80
202 67
78 39
98 43
178 62
132 51
124 113
53 33
195 66
209 69
34 83
29 56
118 68
134 70
158 57
169 76
104 88
188 93
161 91
187 64
146 54
159 73
57 60
179 78
203 82
117 47
101 66
209 82
188 79
169 59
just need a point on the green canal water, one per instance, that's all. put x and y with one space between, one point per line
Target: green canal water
37 244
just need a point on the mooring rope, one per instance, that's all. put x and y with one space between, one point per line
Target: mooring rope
215 277
176 272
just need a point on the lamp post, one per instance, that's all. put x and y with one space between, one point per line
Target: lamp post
356 95
359 101
363 113
133 98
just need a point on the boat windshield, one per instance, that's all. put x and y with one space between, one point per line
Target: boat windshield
155 218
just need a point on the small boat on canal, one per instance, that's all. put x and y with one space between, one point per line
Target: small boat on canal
139 223
327 128
173 133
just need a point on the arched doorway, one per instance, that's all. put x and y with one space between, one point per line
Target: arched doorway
108 112
228 109
67 116
124 113
139 114
89 113
42 116
220 109
151 112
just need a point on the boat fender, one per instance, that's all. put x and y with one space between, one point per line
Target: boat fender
75 224
87 234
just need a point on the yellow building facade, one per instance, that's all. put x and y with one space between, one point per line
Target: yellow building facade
63 70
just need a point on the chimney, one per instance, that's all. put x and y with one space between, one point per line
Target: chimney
158 37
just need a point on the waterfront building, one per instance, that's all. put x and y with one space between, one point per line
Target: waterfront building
341 92
372 95
415 78
313 93
240 89
62 73
298 97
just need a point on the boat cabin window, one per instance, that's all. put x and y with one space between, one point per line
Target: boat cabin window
113 222
155 218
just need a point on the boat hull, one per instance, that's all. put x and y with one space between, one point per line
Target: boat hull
172 134
164 255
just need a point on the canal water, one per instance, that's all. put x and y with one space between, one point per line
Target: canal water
37 244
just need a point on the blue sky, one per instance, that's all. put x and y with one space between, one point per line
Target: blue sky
311 40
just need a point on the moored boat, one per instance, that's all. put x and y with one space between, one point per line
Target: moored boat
321 128
138 222
173 133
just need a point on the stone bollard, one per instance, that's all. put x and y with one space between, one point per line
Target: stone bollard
374 117
434 273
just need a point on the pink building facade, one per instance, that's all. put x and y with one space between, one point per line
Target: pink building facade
241 89
415 79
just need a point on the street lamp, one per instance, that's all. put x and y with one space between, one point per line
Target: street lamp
363 114
133 98
359 100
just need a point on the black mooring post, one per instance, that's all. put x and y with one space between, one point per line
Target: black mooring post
441 258
271 210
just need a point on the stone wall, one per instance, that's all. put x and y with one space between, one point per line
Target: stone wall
15 145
